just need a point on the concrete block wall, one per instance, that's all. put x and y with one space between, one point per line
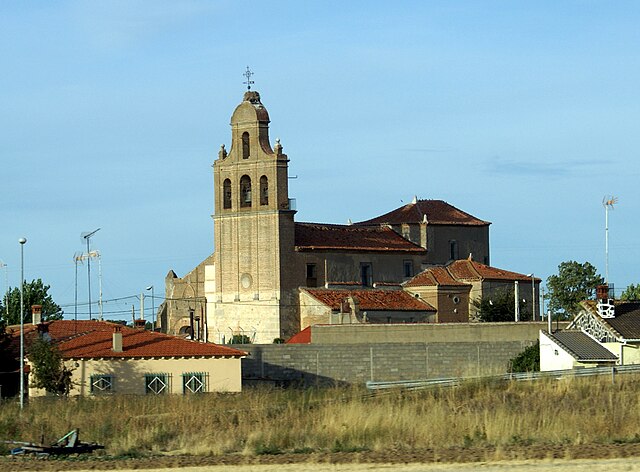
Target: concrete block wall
311 364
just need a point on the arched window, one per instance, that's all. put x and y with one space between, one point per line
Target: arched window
245 191
264 190
245 145
226 194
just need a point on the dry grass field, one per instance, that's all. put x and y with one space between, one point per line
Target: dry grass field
485 421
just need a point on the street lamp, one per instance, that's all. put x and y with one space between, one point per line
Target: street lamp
153 308
22 241
6 287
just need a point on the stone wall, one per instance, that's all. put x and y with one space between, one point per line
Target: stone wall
311 364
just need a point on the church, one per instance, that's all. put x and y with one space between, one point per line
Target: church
270 276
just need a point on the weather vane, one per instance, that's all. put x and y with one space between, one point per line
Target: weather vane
248 75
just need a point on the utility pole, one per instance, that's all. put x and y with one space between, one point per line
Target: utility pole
516 296
22 242
87 238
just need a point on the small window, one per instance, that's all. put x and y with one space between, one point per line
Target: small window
194 382
366 276
453 250
156 384
226 194
264 190
312 275
245 145
245 191
101 384
406 231
408 268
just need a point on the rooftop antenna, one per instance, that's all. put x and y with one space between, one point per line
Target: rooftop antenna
608 201
87 237
248 75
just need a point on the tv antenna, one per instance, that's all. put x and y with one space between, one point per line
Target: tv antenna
87 237
608 201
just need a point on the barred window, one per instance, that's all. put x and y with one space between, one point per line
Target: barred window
194 382
156 384
101 384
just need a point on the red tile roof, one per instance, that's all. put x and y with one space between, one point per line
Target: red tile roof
434 276
372 299
471 270
438 212
303 337
316 236
94 339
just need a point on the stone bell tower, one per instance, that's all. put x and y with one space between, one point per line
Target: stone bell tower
253 232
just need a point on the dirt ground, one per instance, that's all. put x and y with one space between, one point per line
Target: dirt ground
591 457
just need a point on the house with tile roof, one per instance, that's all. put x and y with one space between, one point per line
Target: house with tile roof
449 297
263 258
446 232
349 306
572 349
108 358
486 280
613 323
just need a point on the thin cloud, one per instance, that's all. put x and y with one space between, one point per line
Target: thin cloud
498 165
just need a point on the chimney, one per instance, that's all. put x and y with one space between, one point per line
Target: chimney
36 314
139 323
605 306
602 292
117 339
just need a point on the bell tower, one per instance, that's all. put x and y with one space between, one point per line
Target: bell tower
253 232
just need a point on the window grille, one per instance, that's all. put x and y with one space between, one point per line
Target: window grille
156 384
194 382
101 384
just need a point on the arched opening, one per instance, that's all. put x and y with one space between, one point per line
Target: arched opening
226 194
245 145
245 191
264 190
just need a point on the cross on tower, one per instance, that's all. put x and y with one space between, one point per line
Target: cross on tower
248 75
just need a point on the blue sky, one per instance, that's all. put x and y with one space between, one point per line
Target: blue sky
521 113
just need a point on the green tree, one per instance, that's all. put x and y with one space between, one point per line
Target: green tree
35 293
632 292
48 369
574 283
527 361
240 339
498 306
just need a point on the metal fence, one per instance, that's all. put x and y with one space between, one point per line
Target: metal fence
518 376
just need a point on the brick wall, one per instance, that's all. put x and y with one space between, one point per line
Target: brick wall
357 363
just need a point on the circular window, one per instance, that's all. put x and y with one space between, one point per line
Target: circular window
456 300
245 281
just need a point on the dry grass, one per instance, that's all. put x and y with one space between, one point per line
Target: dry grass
270 421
